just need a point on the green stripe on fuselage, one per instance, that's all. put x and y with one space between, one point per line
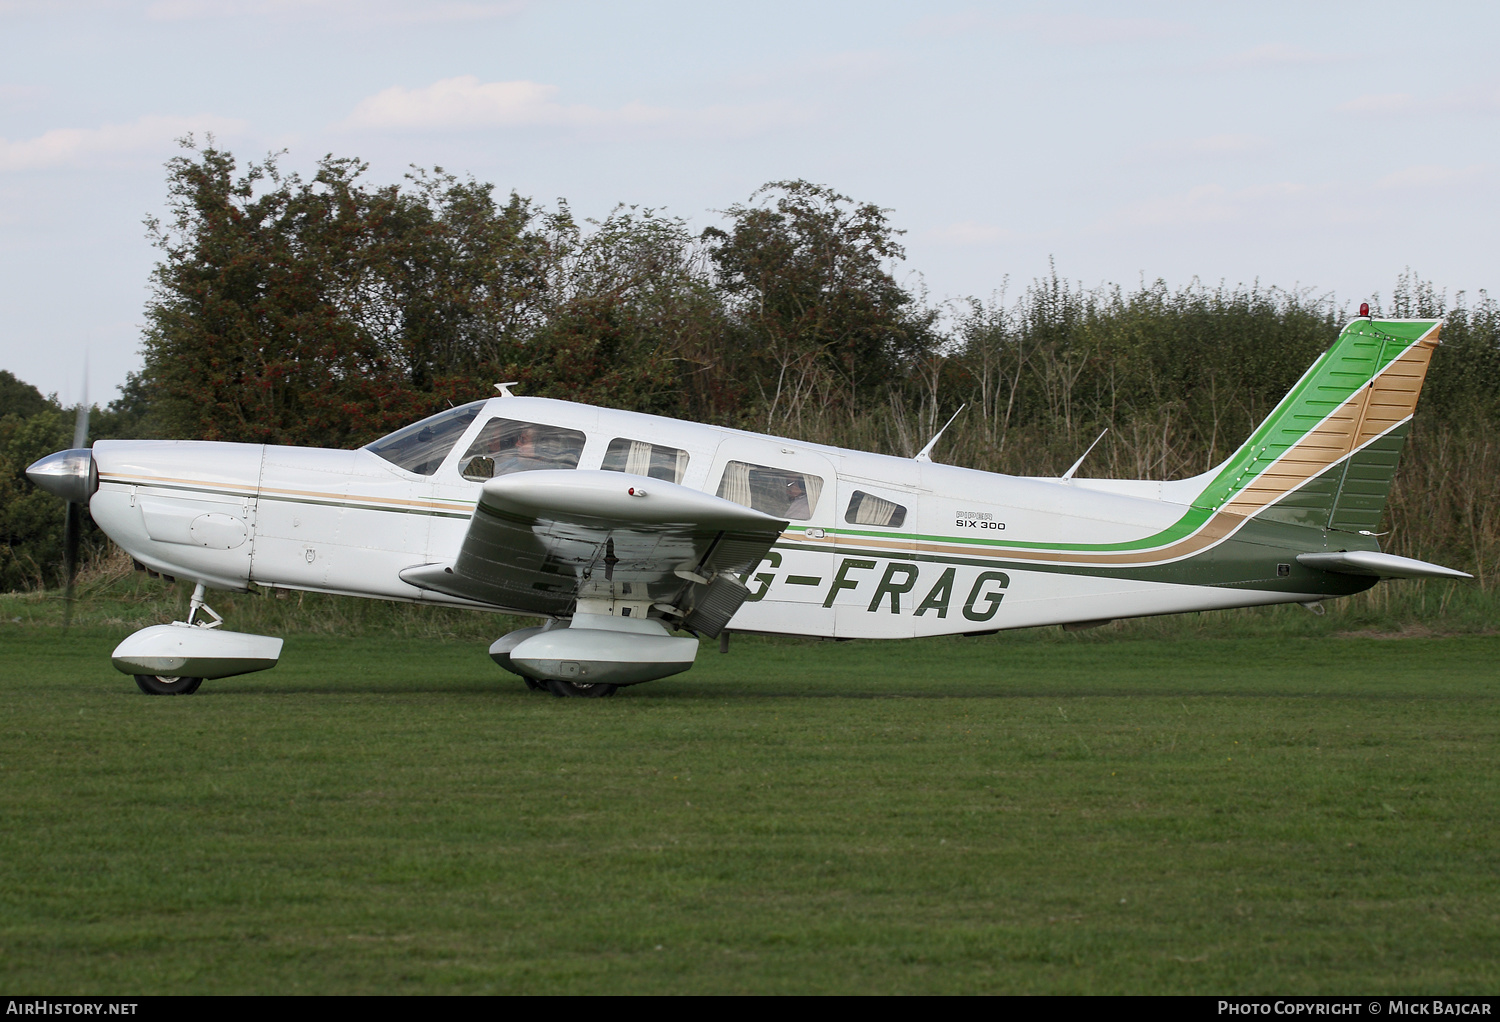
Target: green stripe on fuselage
1250 559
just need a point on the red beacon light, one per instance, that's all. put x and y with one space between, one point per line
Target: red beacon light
1364 309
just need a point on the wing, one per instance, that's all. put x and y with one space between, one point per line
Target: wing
541 541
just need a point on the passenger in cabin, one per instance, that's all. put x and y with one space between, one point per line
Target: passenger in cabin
796 493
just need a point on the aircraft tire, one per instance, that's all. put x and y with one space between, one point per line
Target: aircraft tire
564 689
164 685
533 685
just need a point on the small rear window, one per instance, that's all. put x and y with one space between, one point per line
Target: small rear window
868 509
642 459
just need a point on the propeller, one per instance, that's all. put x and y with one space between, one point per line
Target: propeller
73 476
73 521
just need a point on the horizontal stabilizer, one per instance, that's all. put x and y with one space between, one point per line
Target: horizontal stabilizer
1372 562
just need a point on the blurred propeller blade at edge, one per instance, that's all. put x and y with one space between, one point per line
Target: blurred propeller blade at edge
73 522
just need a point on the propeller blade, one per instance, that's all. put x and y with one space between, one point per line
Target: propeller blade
73 523
81 421
72 533
81 428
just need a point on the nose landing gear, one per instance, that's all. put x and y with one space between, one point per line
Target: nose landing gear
174 659
165 685
564 689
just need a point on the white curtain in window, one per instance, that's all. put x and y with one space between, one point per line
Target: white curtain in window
874 511
814 487
638 459
735 485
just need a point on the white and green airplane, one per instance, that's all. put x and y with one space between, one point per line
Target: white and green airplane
623 531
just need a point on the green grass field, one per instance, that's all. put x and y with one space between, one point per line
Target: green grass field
1019 813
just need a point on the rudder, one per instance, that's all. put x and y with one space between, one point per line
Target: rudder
1327 454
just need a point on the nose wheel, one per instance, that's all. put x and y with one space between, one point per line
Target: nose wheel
166 685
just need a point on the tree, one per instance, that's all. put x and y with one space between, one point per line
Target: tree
31 520
328 312
631 318
324 311
804 269
18 397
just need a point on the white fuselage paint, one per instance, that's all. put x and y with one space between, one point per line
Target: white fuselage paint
349 522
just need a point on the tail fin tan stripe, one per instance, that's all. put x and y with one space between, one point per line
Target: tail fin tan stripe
1376 409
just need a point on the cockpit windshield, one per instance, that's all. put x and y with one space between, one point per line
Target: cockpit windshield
422 446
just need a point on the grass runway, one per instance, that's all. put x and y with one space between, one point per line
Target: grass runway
1006 814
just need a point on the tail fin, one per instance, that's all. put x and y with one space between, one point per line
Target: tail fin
1327 454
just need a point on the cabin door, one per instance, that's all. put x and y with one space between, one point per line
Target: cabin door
789 589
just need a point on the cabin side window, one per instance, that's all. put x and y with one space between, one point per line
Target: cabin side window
868 509
504 446
642 459
776 491
422 446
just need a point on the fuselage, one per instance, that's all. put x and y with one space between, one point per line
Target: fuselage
881 547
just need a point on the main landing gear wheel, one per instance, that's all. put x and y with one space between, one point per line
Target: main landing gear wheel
165 685
562 689
533 685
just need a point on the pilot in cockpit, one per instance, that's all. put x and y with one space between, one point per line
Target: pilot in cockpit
523 454
498 451
505 446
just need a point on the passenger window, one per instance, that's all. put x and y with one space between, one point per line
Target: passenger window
776 491
422 446
505 446
868 509
642 459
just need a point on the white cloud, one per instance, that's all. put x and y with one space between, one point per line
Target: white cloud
970 232
466 103
1063 29
1225 144
65 146
846 68
1276 55
1382 103
18 95
1432 175
43 6
361 11
1206 205
1476 99
1480 99
1299 207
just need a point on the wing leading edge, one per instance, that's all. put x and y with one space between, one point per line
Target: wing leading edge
539 542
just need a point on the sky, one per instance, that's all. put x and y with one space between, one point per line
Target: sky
1326 147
